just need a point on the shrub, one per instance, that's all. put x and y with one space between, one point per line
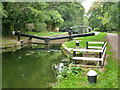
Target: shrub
96 29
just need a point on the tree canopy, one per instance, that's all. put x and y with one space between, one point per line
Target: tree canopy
104 15
43 15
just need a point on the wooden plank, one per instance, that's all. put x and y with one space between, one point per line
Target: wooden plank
87 50
104 46
87 58
96 42
104 53
94 47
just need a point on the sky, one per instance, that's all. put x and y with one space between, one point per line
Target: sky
87 4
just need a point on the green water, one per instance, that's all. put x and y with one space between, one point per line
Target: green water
30 67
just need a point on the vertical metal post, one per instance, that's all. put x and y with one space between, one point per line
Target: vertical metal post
87 45
30 38
18 35
100 61
70 35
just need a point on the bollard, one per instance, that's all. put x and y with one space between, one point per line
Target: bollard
92 76
51 33
77 43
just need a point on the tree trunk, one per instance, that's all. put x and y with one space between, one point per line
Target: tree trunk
50 27
12 28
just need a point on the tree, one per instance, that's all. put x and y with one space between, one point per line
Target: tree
104 16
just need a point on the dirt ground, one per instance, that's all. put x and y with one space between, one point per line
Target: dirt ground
113 42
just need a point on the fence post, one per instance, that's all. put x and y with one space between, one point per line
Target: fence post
100 61
87 45
74 53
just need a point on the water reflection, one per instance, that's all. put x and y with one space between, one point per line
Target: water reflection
31 67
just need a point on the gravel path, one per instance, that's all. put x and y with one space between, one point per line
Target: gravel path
113 42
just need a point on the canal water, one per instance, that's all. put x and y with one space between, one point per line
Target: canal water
31 67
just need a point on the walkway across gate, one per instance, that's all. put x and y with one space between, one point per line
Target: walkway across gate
47 39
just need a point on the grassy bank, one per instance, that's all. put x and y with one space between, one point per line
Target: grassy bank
82 43
106 79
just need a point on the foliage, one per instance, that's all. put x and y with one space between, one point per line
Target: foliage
44 15
104 15
72 13
67 71
96 29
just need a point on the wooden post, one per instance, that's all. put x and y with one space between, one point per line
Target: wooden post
100 61
87 45
74 53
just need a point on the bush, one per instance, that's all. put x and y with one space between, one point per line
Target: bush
96 29
40 26
66 71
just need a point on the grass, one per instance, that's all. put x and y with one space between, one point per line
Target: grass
82 44
117 32
11 40
44 33
107 79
